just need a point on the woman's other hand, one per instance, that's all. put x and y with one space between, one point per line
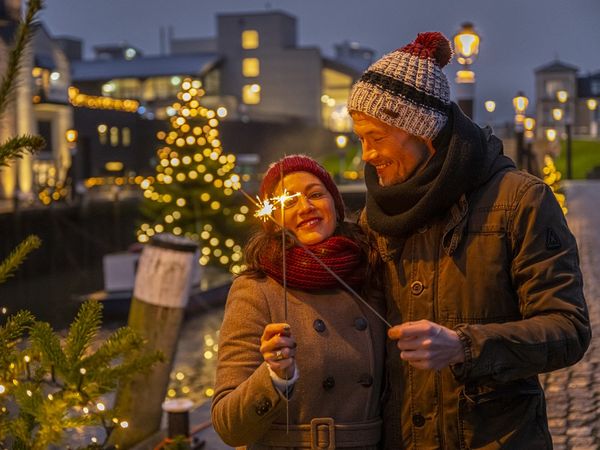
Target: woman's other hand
278 349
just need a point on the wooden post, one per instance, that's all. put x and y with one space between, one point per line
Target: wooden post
162 287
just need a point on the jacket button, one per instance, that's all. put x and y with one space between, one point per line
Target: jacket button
365 380
319 325
416 287
360 323
328 383
418 420
422 229
263 407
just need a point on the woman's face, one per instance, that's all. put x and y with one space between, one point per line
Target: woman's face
311 215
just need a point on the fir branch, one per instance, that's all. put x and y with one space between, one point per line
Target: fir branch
121 342
23 36
17 146
45 342
83 330
18 255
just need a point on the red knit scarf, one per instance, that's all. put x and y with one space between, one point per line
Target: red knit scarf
339 253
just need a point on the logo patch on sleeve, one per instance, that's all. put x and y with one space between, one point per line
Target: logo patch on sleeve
552 240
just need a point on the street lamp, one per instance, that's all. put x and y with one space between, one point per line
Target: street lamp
341 141
563 97
490 107
529 125
466 46
520 102
592 105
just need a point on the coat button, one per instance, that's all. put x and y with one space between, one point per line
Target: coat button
328 383
418 420
422 229
416 287
319 325
360 323
263 407
365 380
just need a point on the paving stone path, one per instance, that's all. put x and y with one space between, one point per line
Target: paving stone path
573 394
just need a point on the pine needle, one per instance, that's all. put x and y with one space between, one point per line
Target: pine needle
17 146
23 36
18 255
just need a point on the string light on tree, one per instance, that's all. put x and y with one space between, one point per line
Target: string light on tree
191 193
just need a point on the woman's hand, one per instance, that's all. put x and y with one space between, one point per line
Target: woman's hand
278 349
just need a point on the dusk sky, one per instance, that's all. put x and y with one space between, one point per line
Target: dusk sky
517 35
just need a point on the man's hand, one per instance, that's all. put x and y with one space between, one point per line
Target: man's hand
427 345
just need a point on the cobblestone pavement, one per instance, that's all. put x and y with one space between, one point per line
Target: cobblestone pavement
573 394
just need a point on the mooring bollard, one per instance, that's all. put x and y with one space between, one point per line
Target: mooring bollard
178 416
162 285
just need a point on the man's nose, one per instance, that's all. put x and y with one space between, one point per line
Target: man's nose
368 152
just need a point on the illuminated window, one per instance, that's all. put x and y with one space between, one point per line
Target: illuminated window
249 39
114 136
250 67
126 137
251 94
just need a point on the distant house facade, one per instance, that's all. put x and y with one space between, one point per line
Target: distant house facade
41 106
580 109
271 89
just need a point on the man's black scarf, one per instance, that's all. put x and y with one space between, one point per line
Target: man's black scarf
461 163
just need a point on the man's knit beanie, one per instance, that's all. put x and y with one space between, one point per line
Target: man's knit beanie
407 88
300 163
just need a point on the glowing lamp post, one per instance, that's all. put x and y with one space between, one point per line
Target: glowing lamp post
563 97
520 102
529 125
592 105
490 107
466 46
341 141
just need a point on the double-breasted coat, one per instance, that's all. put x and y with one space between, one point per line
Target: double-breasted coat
340 354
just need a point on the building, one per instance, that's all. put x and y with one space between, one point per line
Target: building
40 107
582 94
279 97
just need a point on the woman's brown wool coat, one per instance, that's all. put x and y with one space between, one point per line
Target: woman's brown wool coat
340 356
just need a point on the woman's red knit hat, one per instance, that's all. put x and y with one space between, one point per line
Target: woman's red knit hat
300 163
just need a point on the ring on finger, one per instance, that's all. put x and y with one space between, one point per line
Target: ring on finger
279 355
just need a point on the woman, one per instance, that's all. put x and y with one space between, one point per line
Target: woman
334 374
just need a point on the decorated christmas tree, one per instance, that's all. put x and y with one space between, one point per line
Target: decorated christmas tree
192 192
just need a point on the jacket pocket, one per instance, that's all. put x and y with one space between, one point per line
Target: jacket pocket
511 416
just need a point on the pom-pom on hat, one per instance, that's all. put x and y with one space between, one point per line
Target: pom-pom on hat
300 163
407 88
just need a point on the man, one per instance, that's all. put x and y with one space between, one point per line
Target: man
482 274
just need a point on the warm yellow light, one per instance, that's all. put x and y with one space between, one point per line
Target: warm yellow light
551 134
562 96
250 67
529 123
114 166
102 128
557 114
466 44
520 102
71 136
251 94
222 112
490 106
341 141
179 376
250 39
592 104
465 76
180 202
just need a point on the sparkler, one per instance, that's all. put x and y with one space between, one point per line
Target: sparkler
264 211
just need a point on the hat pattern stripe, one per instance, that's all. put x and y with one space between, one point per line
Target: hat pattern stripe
397 87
